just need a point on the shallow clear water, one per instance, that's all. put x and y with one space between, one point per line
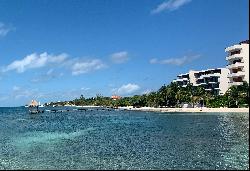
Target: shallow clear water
123 140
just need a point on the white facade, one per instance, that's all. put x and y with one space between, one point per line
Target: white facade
183 79
218 80
213 80
238 63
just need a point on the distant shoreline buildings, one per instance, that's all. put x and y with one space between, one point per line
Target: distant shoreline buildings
218 80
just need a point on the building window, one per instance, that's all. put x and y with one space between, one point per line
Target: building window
236 70
238 79
236 61
235 52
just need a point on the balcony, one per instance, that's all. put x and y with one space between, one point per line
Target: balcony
210 75
235 83
235 56
181 79
213 82
184 75
201 83
234 47
237 74
236 65
178 80
206 76
215 75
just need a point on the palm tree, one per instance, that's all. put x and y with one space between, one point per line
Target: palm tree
233 96
151 99
163 95
196 93
178 97
194 100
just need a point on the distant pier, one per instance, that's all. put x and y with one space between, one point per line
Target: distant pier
82 110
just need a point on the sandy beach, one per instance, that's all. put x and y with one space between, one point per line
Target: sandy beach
203 109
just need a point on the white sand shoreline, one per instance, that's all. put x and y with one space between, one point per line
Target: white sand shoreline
89 106
203 109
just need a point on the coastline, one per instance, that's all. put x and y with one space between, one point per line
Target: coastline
89 106
201 110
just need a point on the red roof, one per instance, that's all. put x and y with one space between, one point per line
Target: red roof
115 97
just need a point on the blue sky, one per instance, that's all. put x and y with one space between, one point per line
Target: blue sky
59 49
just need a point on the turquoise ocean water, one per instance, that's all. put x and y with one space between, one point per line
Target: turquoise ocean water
102 139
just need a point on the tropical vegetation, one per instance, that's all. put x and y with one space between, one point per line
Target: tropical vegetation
171 95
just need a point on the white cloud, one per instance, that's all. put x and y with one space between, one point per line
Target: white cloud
119 57
87 66
170 5
153 61
4 30
49 75
126 89
24 94
35 61
85 88
19 92
16 88
175 61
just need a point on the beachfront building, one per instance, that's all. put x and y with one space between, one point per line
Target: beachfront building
183 79
213 80
115 97
238 63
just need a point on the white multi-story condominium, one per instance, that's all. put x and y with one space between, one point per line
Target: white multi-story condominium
238 63
213 80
